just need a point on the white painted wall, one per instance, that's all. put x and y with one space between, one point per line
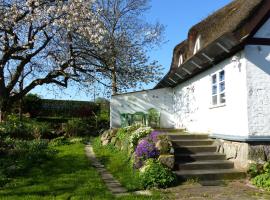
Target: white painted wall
258 84
160 99
192 101
247 109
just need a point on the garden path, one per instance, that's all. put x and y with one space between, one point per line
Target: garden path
113 185
236 190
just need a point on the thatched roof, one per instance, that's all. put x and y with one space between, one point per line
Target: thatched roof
237 20
228 19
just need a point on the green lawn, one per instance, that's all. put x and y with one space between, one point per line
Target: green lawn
67 176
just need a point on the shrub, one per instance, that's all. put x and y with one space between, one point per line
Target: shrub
255 169
137 135
262 180
154 174
59 141
145 149
260 174
76 127
32 104
24 129
22 155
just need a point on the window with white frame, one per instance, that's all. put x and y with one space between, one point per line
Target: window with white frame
218 88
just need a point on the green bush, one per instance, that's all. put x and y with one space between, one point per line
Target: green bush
255 169
77 127
262 181
32 104
137 135
260 174
154 174
26 129
60 141
22 154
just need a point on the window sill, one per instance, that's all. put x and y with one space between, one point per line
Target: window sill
218 106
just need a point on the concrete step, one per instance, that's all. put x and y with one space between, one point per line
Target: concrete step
207 164
192 142
199 157
166 130
194 149
213 174
186 136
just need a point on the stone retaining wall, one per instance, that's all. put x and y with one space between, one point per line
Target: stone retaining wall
243 153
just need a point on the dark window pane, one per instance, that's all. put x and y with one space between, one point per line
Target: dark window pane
214 79
214 89
222 87
222 98
222 75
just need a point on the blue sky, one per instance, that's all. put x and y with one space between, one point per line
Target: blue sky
177 15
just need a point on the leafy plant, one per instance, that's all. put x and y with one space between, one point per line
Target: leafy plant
137 135
76 127
144 150
255 169
262 180
154 174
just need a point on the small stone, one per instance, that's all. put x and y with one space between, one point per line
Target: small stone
113 140
167 160
105 142
163 146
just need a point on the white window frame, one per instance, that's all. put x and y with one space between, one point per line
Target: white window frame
220 86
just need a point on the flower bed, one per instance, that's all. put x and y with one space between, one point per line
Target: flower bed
150 151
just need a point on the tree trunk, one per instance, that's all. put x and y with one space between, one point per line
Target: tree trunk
3 108
114 81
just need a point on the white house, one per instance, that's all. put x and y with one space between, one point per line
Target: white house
218 83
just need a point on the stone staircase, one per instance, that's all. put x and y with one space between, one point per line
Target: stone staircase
196 158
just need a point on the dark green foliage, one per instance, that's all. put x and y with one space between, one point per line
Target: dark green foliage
20 155
260 175
24 129
32 104
255 169
262 181
157 175
68 109
78 127
60 141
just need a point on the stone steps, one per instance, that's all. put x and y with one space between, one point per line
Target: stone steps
207 164
194 149
199 157
210 174
196 158
192 142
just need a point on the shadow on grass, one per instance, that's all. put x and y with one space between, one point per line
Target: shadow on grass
65 176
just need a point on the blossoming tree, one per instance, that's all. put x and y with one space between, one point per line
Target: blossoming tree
36 44
121 59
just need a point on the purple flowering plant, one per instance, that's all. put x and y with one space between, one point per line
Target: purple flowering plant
146 149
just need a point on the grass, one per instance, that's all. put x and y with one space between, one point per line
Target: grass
68 175
114 160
